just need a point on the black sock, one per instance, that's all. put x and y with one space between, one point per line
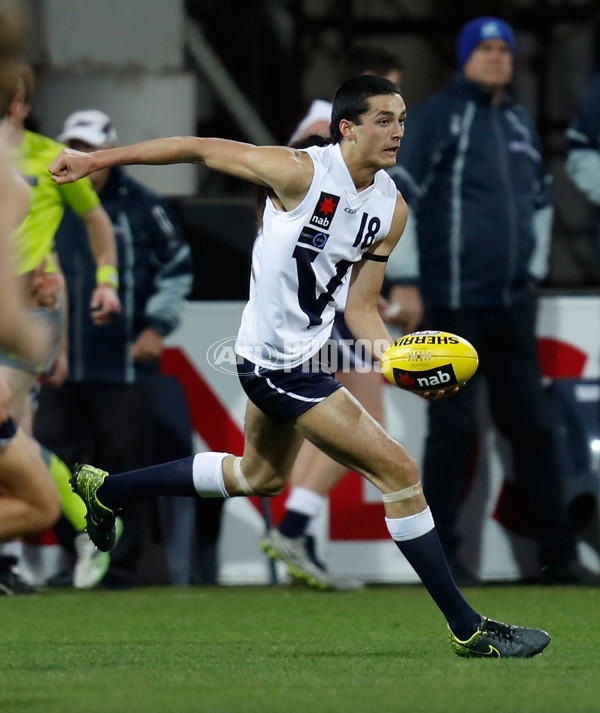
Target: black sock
426 556
293 524
174 478
8 430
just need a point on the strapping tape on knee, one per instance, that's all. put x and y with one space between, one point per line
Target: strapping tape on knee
411 492
242 482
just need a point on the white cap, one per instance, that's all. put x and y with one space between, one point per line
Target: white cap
91 126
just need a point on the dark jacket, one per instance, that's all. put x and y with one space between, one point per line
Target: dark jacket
583 156
473 176
155 272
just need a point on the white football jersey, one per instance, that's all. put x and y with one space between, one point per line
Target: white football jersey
302 259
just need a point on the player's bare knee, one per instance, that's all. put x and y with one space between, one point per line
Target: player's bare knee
258 478
267 483
411 470
403 473
271 488
42 516
404 484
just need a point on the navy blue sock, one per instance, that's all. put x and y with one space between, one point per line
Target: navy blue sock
293 524
426 556
174 478
8 431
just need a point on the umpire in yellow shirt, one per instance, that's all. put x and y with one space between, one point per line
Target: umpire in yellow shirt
34 241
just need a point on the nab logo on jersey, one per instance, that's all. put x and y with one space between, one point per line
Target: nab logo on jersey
325 210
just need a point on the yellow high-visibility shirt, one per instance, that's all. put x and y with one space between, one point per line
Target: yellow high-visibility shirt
34 238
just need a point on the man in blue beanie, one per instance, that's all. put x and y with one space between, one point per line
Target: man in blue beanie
481 30
471 170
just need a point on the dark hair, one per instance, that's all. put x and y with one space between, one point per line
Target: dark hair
262 192
370 59
310 140
351 100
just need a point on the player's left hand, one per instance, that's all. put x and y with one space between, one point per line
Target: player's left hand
441 393
148 346
105 304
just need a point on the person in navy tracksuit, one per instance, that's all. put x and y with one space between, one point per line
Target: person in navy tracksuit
583 153
105 408
476 245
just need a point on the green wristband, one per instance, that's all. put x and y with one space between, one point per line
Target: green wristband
107 275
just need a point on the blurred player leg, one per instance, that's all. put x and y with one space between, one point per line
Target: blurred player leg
314 476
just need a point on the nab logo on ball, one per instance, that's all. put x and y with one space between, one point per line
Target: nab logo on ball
429 361
440 378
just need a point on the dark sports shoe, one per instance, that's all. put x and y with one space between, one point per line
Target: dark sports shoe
493 639
295 554
12 583
571 573
101 521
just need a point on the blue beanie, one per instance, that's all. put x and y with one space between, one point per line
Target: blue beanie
483 28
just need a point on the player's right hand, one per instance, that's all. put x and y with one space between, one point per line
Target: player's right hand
69 166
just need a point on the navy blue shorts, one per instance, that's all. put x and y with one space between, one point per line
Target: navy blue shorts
8 430
285 394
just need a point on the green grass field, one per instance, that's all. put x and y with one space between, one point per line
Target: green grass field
289 650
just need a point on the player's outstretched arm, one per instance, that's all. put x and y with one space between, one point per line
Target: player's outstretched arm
286 170
71 165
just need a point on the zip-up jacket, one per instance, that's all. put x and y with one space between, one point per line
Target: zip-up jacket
583 157
481 213
155 275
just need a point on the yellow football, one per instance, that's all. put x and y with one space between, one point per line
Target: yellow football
429 361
